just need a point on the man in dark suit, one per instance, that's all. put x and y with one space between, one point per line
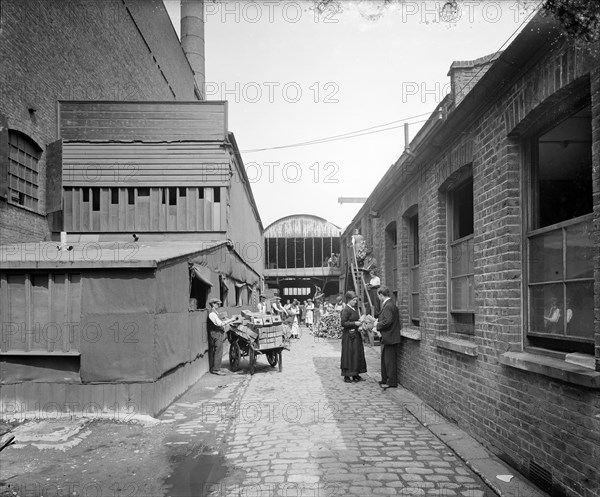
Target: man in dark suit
389 325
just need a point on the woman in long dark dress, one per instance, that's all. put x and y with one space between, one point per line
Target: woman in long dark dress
353 360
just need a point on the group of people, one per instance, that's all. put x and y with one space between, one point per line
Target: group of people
289 314
352 362
388 324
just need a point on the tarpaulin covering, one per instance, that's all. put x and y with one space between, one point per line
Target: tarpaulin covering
225 261
117 325
202 273
134 324
117 347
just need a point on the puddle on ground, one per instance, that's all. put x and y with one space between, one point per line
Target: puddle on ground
196 473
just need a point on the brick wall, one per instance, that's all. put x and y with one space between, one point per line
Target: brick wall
519 415
79 50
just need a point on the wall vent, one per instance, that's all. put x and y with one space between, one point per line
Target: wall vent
540 476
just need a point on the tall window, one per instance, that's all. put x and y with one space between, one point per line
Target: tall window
23 157
413 263
560 245
460 250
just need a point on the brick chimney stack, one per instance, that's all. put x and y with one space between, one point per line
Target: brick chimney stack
464 74
192 39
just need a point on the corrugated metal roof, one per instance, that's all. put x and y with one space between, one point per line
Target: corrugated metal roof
98 255
302 226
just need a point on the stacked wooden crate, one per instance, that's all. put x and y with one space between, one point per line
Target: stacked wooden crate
268 328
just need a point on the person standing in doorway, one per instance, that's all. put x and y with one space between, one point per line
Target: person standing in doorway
216 336
389 325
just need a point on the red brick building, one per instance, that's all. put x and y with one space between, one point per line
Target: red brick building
488 232
73 50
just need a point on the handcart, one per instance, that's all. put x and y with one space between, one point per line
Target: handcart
254 334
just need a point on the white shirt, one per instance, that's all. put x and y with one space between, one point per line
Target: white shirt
214 317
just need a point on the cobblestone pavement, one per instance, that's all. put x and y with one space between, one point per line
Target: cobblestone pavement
304 432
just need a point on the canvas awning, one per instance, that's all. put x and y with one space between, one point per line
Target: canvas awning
202 273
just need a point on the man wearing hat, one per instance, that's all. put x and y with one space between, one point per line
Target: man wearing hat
278 308
216 336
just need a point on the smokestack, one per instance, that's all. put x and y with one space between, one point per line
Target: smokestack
192 38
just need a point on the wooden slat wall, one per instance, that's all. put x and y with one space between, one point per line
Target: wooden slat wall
147 121
148 213
144 164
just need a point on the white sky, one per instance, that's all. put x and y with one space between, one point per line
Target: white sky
292 76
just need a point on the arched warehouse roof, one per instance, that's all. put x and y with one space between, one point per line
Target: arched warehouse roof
301 226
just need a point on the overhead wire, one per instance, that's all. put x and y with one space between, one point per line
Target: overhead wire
343 136
372 129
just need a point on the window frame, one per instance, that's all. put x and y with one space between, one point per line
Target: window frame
531 194
451 243
413 265
33 173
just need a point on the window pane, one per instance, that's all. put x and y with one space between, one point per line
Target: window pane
471 291
545 257
460 294
579 310
415 307
580 251
462 258
414 280
545 309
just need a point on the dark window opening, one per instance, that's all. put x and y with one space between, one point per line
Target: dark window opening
131 196
164 195
564 170
182 192
462 207
217 194
143 192
95 199
114 196
201 192
86 194
172 196
199 293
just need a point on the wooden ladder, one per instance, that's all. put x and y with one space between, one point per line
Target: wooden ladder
360 286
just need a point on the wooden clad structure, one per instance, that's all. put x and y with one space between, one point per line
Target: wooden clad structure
145 163
111 319
146 121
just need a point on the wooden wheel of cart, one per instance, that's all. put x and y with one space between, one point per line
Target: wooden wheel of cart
252 359
234 356
272 358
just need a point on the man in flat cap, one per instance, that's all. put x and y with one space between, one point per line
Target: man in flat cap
216 336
